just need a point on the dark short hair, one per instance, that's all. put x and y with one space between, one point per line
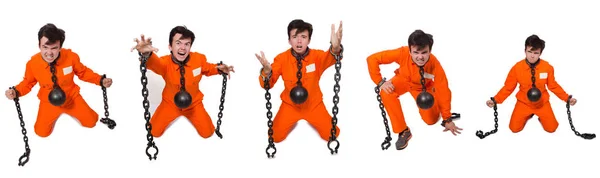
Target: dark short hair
185 34
53 33
420 39
535 42
301 26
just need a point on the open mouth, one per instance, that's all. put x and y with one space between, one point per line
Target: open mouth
299 47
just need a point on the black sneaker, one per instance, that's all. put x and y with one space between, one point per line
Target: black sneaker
403 139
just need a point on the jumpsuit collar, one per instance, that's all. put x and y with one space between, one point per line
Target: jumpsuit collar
300 56
532 65
180 63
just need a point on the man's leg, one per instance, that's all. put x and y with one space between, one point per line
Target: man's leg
46 118
391 103
521 114
431 115
200 120
286 118
162 118
547 118
80 110
320 119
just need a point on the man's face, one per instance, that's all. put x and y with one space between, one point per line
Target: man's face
300 41
532 55
419 57
50 50
180 47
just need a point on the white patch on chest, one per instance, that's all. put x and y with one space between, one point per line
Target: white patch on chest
428 75
67 70
310 68
197 71
543 75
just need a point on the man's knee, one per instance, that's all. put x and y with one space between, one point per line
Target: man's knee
205 132
516 129
43 131
550 127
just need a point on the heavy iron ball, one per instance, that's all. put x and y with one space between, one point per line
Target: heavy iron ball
299 94
183 99
425 100
57 97
534 94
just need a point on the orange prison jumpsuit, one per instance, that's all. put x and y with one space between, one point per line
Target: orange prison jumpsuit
67 66
521 73
313 110
408 79
167 111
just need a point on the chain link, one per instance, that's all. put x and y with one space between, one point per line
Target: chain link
53 72
336 89
386 142
422 73
146 105
588 136
532 76
271 146
221 106
25 157
480 133
106 120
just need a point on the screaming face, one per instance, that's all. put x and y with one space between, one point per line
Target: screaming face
180 48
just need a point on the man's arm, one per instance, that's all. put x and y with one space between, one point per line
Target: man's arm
272 76
555 87
382 57
509 86
28 81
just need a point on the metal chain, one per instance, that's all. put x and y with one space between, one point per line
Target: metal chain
106 120
588 136
386 142
182 78
480 133
146 105
271 145
299 73
336 89
422 73
221 106
532 76
25 157
53 72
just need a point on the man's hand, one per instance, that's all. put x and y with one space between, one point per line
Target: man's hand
106 82
10 94
452 128
226 69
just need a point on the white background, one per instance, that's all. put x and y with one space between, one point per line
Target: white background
477 42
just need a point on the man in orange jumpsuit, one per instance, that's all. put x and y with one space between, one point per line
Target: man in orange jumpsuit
65 64
408 79
313 63
521 73
194 66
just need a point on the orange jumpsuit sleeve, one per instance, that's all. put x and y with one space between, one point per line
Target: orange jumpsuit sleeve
208 68
443 92
28 81
328 60
382 57
509 86
83 72
555 87
274 75
155 64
